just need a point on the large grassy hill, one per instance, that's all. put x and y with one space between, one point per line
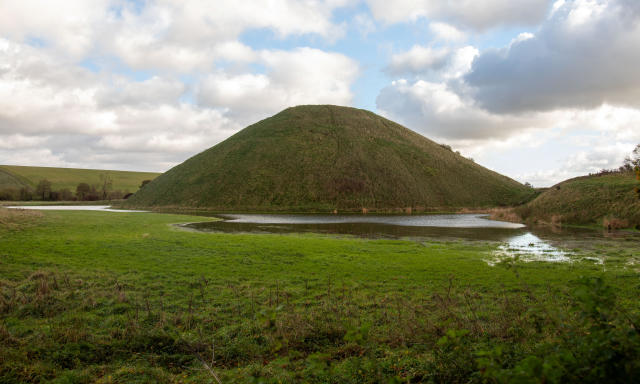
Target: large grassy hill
587 200
320 158
13 176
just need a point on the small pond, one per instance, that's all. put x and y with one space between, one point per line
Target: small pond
466 226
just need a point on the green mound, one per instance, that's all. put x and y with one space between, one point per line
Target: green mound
320 158
69 178
588 200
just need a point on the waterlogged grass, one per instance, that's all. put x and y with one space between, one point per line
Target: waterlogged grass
95 296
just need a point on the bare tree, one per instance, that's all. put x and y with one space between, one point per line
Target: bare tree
65 194
82 191
638 178
106 184
44 189
633 161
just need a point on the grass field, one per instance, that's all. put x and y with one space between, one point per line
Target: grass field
120 298
13 176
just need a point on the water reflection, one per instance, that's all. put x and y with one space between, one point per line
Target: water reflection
468 226
448 221
101 208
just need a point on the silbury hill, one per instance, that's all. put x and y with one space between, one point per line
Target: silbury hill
320 158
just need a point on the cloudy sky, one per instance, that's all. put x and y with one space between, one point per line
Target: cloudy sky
538 90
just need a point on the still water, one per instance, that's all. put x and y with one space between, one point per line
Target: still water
466 226
102 208
510 240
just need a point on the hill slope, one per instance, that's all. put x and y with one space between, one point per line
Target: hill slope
10 180
320 158
13 176
587 200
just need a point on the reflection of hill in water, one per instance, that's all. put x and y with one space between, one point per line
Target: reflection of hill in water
473 227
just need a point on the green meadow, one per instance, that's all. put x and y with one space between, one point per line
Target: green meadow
14 176
128 297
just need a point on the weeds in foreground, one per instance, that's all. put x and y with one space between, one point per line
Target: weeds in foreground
53 325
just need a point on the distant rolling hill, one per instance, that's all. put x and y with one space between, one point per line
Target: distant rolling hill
13 176
587 200
321 158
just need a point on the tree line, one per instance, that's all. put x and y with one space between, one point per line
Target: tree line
630 164
83 192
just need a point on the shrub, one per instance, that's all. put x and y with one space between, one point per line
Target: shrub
611 223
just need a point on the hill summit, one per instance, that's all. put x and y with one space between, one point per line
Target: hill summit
323 157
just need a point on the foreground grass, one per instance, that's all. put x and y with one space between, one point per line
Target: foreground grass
96 296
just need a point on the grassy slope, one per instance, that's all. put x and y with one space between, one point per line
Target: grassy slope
70 177
587 200
11 180
120 298
324 157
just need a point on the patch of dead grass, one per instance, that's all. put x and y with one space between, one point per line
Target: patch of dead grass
18 218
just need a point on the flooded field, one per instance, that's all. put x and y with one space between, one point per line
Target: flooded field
510 240
470 226
514 240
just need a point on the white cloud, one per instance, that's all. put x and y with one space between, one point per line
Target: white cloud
584 11
68 25
460 62
32 157
438 112
608 156
425 61
19 141
192 35
302 76
151 92
479 15
583 56
568 92
418 60
163 34
446 32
